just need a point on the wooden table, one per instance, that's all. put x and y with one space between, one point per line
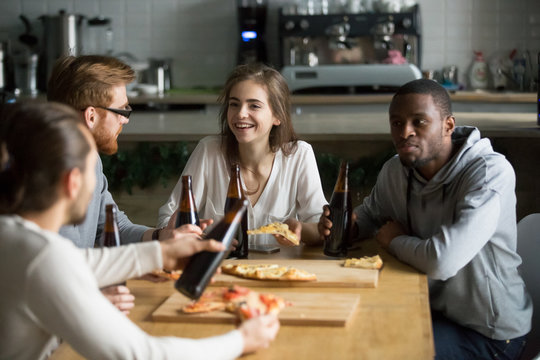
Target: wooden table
393 321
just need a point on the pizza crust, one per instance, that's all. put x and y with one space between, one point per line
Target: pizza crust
366 262
276 228
171 275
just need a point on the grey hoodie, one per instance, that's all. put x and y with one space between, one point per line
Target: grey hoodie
463 234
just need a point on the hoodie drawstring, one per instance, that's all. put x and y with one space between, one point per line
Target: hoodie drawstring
409 191
409 194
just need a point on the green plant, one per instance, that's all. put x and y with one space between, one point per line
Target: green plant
362 172
149 163
145 165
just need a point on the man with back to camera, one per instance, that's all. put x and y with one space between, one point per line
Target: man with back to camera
49 287
446 205
96 86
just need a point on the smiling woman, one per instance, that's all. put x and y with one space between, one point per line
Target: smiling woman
257 134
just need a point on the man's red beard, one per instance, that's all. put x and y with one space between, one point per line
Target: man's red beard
106 143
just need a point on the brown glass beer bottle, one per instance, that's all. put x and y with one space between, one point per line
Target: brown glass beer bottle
187 210
235 193
340 215
202 266
110 236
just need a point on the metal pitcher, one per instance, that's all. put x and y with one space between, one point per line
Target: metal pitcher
63 34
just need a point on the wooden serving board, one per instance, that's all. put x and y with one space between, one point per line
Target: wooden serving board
330 273
321 309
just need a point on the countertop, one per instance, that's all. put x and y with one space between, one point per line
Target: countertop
210 98
193 125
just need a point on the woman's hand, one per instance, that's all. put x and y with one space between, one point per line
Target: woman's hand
296 227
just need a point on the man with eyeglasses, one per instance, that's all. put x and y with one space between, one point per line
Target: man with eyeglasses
96 86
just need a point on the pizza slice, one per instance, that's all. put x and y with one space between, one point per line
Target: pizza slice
210 300
252 304
276 228
366 262
171 275
200 307
243 302
268 272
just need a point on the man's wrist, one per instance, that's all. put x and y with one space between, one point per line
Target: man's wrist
155 233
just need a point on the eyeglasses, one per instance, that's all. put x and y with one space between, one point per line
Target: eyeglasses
124 112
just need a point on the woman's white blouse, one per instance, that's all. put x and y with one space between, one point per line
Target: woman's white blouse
293 190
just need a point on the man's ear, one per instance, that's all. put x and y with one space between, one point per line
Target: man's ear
72 183
449 125
90 117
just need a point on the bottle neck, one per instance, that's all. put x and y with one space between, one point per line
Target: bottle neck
342 183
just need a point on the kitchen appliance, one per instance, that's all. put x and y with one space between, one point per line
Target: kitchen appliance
350 52
62 36
3 68
7 81
26 65
159 73
99 36
252 31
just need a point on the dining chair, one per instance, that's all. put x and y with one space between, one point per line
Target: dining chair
528 247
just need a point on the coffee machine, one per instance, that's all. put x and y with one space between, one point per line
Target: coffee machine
252 31
350 52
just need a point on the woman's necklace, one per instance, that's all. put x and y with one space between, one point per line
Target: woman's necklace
259 179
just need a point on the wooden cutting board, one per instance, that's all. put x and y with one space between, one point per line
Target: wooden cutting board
330 273
321 309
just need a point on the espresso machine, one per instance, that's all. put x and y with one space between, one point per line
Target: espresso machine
252 31
350 52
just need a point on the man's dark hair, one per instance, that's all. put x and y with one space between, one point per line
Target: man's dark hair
429 87
39 142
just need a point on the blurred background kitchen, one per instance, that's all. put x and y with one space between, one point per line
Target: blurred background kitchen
197 41
342 59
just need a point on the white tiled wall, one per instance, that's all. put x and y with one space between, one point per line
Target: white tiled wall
200 35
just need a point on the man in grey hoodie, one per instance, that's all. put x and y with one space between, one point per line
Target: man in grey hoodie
445 204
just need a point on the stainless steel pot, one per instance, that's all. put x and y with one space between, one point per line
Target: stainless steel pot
63 34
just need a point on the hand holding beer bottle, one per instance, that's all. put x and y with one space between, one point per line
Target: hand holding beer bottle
202 266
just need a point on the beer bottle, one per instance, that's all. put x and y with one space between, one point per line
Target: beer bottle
340 214
187 211
235 194
110 236
202 266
